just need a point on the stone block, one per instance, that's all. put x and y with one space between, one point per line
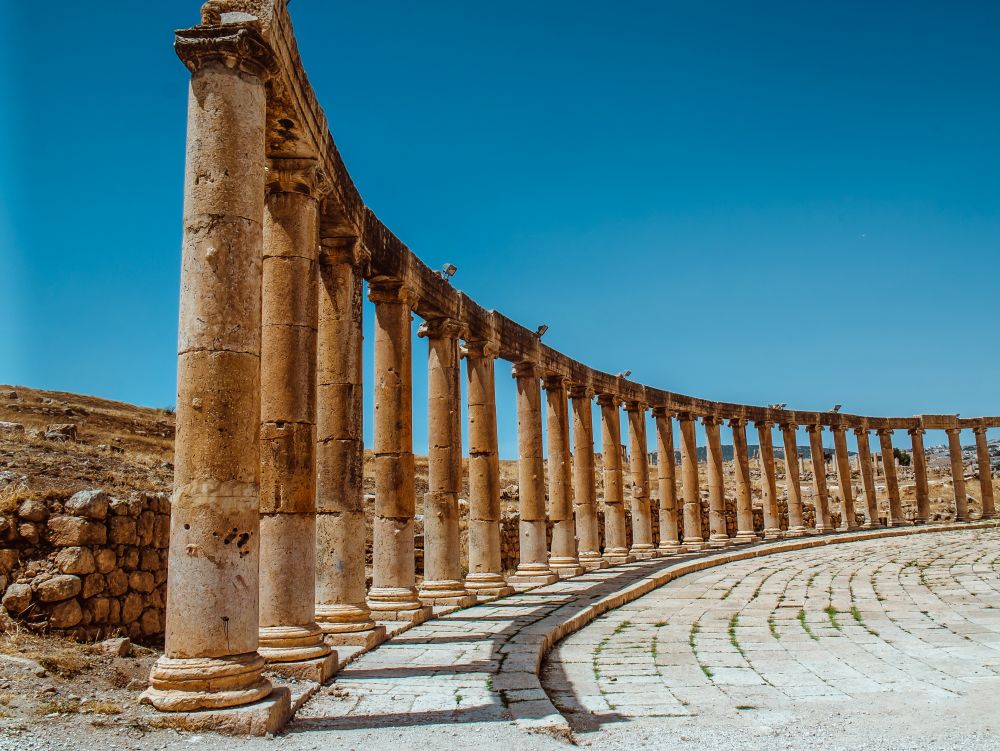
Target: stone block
92 504
33 510
58 588
66 614
75 560
123 530
67 531
93 584
17 598
105 560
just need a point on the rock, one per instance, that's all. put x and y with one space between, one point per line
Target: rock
149 560
92 504
123 530
66 614
144 527
141 581
117 583
33 510
11 427
131 607
17 598
75 560
509 493
150 622
93 584
59 588
99 608
65 531
105 560
9 558
9 394
120 647
30 531
61 432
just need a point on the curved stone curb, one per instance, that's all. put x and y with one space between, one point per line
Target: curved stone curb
539 639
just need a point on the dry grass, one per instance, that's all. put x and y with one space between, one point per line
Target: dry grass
57 655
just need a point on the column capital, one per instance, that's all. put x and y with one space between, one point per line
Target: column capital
763 424
554 382
788 426
337 249
953 431
662 412
883 431
864 431
296 175
441 328
635 406
979 430
711 420
915 431
480 349
686 416
737 422
580 391
390 291
838 428
814 428
236 46
524 369
608 400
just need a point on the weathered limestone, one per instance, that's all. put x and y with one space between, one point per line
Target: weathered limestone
341 610
891 479
821 494
615 545
958 474
847 513
563 558
666 469
768 481
211 658
796 527
985 474
919 475
443 583
533 569
745 531
584 481
642 525
718 537
693 539
393 595
290 639
485 577
867 478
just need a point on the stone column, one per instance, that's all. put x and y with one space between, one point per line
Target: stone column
533 569
848 519
443 583
666 469
584 482
615 543
745 531
796 527
642 524
211 658
485 578
923 514
891 480
985 473
768 482
693 539
563 558
341 610
867 479
718 536
290 639
393 596
958 474
821 495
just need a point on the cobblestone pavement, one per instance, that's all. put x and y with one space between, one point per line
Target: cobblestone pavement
889 641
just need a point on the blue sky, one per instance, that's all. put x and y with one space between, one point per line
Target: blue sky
768 202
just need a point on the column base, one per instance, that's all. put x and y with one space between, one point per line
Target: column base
617 556
745 538
899 523
565 568
592 561
318 670
719 541
670 549
773 534
369 638
279 644
824 529
397 604
349 626
447 593
796 532
487 586
264 717
531 575
643 552
195 683
694 544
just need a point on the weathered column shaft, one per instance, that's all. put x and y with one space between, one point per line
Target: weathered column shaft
891 479
666 470
584 481
821 494
985 474
485 576
919 475
867 478
563 558
848 519
718 535
288 630
443 582
958 473
768 481
793 483
745 531
615 541
341 609
211 655
642 524
693 539
393 595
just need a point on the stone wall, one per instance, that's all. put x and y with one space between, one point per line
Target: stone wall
87 567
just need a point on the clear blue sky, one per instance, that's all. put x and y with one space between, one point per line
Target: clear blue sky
767 202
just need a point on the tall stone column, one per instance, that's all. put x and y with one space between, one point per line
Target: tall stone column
485 578
867 479
443 583
693 539
341 609
745 531
821 494
891 480
642 524
584 481
563 558
290 639
848 519
533 569
923 514
718 536
768 482
615 542
796 527
393 595
211 657
958 474
985 473
666 469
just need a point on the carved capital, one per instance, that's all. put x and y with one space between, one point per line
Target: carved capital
711 420
237 47
814 429
554 382
580 391
293 175
481 349
343 249
524 369
763 425
441 328
608 400
788 426
979 430
863 432
391 291
915 431
662 412
635 406
737 422
881 432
